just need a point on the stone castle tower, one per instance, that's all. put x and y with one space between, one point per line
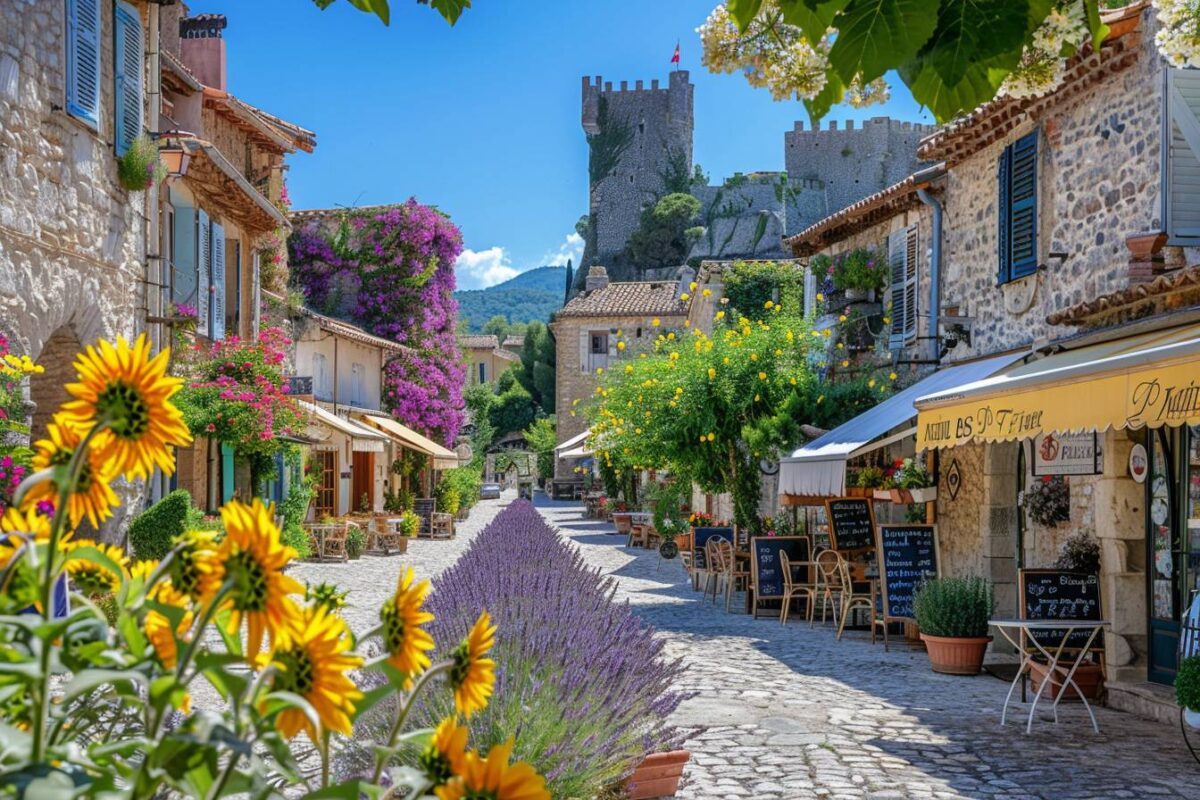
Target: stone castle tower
636 136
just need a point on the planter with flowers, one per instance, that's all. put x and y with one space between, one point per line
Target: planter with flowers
913 484
140 167
953 615
1187 690
1048 501
865 482
859 273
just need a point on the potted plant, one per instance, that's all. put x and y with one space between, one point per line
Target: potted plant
1187 690
657 776
953 615
860 273
913 483
356 542
865 482
1048 501
884 490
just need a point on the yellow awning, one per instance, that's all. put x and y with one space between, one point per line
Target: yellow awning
1148 380
362 439
442 457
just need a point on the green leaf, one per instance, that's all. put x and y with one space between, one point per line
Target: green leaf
377 7
830 96
323 4
372 698
744 11
978 86
350 790
876 35
124 681
451 10
814 19
1096 27
973 31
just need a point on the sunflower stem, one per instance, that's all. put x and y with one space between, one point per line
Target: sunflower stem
402 712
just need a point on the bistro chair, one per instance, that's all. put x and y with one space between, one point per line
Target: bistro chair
424 508
712 575
828 584
387 539
730 572
793 589
335 542
858 594
441 525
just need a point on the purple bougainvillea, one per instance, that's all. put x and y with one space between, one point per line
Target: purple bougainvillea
392 272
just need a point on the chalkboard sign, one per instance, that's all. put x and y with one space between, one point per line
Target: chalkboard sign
700 539
1057 594
765 568
908 554
851 523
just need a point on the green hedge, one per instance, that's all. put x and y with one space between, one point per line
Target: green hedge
153 532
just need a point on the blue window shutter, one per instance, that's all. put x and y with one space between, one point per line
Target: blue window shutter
127 60
204 271
1022 225
217 325
183 270
83 60
1003 171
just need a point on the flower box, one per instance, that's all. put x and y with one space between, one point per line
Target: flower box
1089 677
856 491
926 495
657 776
882 494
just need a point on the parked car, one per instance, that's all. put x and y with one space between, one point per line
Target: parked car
489 491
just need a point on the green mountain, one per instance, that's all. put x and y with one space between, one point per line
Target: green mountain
532 295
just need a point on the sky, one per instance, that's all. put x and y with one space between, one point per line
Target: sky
483 119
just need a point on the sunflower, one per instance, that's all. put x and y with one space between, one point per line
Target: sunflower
312 661
494 778
131 391
407 642
473 676
158 626
253 558
91 496
91 577
444 757
196 568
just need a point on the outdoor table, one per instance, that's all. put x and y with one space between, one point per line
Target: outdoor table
1013 630
320 531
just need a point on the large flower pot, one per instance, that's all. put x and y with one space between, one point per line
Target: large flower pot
1089 677
855 491
952 655
657 776
1191 718
622 519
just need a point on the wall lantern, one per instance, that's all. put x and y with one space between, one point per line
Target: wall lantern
176 160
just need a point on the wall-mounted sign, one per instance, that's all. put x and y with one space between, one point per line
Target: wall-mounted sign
1067 454
954 479
1139 463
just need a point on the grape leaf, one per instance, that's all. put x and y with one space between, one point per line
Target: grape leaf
876 35
377 7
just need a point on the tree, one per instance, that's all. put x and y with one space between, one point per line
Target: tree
753 288
570 278
537 366
512 411
451 10
497 325
665 233
542 438
952 54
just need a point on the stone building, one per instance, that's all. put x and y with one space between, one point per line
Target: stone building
486 359
605 323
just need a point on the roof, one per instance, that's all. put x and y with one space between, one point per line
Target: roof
222 184
443 458
997 118
635 298
345 329
1131 298
818 469
577 439
870 210
514 341
306 214
507 355
342 426
179 75
479 342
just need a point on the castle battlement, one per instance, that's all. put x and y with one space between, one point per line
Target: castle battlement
678 78
872 124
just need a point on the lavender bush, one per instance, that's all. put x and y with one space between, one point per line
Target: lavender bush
580 681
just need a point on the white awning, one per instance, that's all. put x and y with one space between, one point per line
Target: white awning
442 457
818 469
571 443
578 452
362 439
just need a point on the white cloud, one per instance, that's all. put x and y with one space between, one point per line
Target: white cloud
571 248
479 269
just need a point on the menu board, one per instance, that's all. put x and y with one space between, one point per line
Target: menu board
700 539
1058 594
765 563
908 554
851 523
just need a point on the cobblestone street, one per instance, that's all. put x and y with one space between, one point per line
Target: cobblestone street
793 713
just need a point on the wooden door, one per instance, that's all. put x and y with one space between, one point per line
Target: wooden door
362 481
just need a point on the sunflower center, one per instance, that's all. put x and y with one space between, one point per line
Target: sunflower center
184 573
436 765
60 458
393 627
298 674
462 665
92 579
126 408
249 582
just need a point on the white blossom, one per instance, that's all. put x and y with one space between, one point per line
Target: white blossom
1178 36
1043 62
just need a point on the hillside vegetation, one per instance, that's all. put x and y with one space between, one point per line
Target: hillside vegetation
532 295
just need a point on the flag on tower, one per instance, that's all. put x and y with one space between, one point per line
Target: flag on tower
675 58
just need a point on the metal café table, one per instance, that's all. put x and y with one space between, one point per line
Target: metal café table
1014 631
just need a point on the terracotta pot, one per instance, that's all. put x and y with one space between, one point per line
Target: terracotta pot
855 491
403 545
657 776
1089 678
954 655
683 541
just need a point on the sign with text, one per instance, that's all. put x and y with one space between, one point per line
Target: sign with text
1058 594
1067 454
765 564
700 539
908 555
851 523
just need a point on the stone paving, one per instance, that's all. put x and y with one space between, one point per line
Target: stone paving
789 712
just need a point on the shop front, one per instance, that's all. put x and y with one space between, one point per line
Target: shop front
343 454
1098 441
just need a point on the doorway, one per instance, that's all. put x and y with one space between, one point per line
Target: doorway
325 463
362 481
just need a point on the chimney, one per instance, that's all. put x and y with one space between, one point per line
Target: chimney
202 48
686 276
597 278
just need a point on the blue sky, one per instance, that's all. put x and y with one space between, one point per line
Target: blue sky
482 119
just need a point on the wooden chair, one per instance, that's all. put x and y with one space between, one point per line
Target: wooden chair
441 526
828 585
424 508
387 539
335 541
793 589
858 594
712 573
730 572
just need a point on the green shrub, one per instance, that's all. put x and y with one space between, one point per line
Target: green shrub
356 541
957 607
153 532
140 166
293 535
459 488
1187 683
448 499
410 523
860 269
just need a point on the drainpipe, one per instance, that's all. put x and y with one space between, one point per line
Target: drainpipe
154 256
935 269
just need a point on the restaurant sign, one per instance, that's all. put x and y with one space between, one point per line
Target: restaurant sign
1067 454
1148 397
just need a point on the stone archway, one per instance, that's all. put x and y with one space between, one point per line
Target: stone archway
47 391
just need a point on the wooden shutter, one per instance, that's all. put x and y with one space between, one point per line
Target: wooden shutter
1003 203
217 324
903 260
203 270
127 62
183 270
585 349
1181 190
1018 209
83 60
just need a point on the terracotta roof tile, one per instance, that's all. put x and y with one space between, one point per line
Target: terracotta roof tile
479 342
1183 280
640 298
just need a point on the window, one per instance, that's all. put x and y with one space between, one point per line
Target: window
183 255
903 258
217 288
203 271
1018 209
1181 173
482 372
320 376
326 469
358 385
83 61
599 344
127 72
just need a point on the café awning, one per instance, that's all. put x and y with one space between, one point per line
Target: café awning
441 457
362 439
572 443
818 469
1152 379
